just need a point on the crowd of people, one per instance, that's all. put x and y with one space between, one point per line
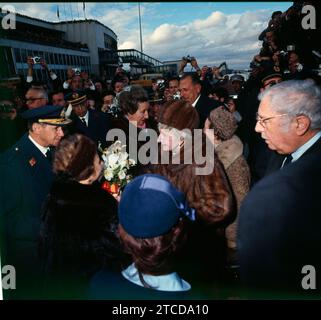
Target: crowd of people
245 229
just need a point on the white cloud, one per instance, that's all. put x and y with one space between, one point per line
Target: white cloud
127 45
215 19
219 37
216 38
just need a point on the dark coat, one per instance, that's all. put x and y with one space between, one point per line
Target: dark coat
131 136
98 125
279 229
204 106
277 159
78 237
26 176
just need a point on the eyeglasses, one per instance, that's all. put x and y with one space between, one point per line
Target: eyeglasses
262 121
32 99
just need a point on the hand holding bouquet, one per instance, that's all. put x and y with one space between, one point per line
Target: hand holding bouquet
117 168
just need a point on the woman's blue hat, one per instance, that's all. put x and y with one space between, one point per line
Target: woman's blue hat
150 206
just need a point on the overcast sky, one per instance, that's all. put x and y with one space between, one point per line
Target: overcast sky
213 32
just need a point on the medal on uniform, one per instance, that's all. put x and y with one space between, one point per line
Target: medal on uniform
32 162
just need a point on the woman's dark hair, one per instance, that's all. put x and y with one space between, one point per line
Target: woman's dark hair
154 256
128 100
74 157
108 93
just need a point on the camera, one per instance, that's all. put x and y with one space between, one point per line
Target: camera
77 71
177 96
188 59
161 84
283 53
114 109
290 48
36 60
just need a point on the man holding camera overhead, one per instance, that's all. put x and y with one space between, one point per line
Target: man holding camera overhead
31 61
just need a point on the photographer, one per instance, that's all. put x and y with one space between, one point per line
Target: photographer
108 97
206 78
158 89
185 61
77 80
12 126
31 61
88 84
171 91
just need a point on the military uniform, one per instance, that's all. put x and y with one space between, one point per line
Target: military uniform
98 123
26 176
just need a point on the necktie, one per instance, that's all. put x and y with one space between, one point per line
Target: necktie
83 121
287 161
49 155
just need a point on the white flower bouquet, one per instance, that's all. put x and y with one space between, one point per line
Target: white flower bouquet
117 167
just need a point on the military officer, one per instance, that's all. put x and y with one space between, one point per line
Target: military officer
26 176
91 123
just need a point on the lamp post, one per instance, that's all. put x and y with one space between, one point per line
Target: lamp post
140 30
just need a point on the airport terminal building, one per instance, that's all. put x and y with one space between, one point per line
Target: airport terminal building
87 44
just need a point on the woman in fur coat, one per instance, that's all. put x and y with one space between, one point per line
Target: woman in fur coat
208 192
229 149
79 222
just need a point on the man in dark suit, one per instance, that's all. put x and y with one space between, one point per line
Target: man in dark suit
26 176
190 89
287 124
93 124
280 221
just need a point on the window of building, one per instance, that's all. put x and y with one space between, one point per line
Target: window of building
51 58
17 55
109 42
46 57
74 63
23 53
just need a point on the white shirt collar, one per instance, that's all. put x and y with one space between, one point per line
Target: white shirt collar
194 103
168 282
42 149
86 117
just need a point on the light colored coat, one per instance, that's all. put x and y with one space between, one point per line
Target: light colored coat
230 152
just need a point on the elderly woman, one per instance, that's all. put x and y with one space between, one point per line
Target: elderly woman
229 149
134 105
208 192
152 236
79 222
134 118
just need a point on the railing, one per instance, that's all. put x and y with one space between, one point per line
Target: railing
142 59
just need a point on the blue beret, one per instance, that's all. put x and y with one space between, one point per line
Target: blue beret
48 114
150 206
